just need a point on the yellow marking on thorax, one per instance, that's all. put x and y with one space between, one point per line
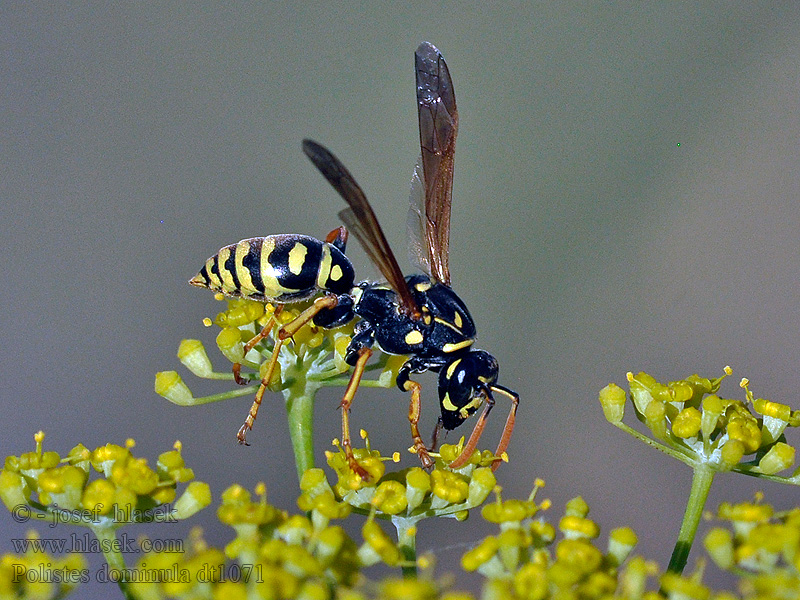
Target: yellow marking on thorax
297 258
458 346
423 286
454 326
413 337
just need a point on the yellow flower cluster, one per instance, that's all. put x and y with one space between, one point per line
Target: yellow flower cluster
410 493
524 561
761 543
313 353
297 359
128 492
689 420
274 554
37 574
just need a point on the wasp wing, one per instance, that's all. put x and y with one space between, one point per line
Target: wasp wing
418 254
438 126
361 220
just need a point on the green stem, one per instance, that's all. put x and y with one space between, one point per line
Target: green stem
407 542
107 536
299 399
701 484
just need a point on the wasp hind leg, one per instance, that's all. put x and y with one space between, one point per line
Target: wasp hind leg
284 332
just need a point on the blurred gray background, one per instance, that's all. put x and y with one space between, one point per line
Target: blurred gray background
625 199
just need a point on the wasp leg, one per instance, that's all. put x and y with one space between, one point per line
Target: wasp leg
285 331
436 431
475 436
414 406
347 401
237 367
509 426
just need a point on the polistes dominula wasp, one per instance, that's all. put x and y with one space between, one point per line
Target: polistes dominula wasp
418 316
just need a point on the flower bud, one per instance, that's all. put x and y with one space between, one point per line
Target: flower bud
170 386
712 411
530 581
313 482
578 527
171 466
378 546
389 373
448 487
778 458
621 542
731 453
243 312
687 423
508 511
98 497
195 497
776 417
579 555
193 356
481 485
14 489
633 580
746 430
62 486
135 475
640 393
390 497
656 419
681 391
418 485
612 399
229 341
329 543
675 586
480 554
576 507
340 344
719 545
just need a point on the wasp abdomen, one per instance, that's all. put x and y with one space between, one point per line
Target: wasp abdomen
277 268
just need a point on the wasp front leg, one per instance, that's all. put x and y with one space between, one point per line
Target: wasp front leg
284 332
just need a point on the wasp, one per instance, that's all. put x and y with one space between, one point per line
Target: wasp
418 316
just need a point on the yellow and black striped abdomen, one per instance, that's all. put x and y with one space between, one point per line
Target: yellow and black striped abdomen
277 268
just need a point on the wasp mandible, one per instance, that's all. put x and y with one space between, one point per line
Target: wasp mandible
418 316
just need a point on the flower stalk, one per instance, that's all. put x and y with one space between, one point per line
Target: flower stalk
702 478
